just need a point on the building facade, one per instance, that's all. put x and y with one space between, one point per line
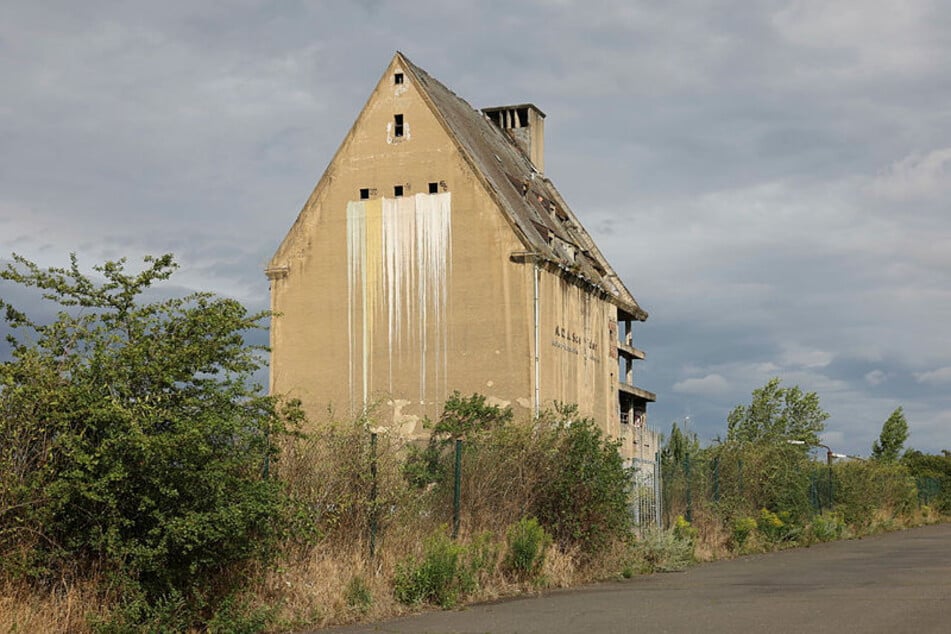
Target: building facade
434 255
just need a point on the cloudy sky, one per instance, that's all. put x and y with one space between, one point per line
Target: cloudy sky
771 179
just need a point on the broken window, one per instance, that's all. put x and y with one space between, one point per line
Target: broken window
397 190
398 125
434 188
364 194
398 78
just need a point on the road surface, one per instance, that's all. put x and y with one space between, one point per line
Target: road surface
897 582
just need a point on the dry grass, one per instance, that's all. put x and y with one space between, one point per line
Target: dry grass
311 587
67 609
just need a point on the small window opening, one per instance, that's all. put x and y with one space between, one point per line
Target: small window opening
434 188
398 78
364 193
522 115
397 190
398 125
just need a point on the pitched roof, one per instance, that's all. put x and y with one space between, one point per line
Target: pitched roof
539 214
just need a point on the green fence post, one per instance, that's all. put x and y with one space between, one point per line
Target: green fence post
373 494
457 489
831 488
814 492
739 476
689 513
716 479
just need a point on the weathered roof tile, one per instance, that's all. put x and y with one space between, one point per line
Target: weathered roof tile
537 211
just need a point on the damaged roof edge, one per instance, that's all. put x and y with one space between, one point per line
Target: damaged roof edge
532 203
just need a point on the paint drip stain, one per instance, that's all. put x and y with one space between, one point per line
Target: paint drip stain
399 254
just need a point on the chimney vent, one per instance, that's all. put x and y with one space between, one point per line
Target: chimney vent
525 124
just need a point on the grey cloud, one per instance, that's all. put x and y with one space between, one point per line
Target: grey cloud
770 179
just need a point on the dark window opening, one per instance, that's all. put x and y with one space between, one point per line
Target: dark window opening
397 190
509 118
398 125
364 194
434 188
398 78
522 115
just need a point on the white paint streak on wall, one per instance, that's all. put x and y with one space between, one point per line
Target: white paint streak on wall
399 262
356 226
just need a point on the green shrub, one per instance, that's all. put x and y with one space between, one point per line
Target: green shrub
777 527
932 473
435 578
741 530
358 595
482 557
661 551
235 616
527 542
134 441
827 527
683 530
135 613
584 500
866 489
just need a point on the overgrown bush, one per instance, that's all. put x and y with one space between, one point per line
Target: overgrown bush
560 469
684 530
584 499
827 527
864 489
482 558
777 527
742 528
358 595
332 489
932 473
434 578
527 542
661 551
134 442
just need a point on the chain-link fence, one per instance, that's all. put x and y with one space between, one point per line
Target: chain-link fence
646 498
734 480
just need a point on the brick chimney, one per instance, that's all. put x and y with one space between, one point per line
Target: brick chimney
525 124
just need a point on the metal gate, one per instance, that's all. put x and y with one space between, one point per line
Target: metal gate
645 493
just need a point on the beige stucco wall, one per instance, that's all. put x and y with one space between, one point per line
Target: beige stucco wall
336 316
574 349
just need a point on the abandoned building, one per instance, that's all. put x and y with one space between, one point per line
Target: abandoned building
434 255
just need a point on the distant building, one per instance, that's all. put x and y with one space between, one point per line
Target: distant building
434 255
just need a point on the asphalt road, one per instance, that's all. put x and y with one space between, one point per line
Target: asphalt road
898 582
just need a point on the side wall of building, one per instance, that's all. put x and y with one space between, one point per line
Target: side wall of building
575 346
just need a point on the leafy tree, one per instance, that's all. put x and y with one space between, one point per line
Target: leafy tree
776 413
464 415
133 441
933 475
584 500
891 441
678 446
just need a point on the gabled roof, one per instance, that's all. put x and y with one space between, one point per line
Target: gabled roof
540 215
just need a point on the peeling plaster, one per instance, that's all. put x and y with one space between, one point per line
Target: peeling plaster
497 402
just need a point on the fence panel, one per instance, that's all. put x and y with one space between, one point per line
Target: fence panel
646 497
